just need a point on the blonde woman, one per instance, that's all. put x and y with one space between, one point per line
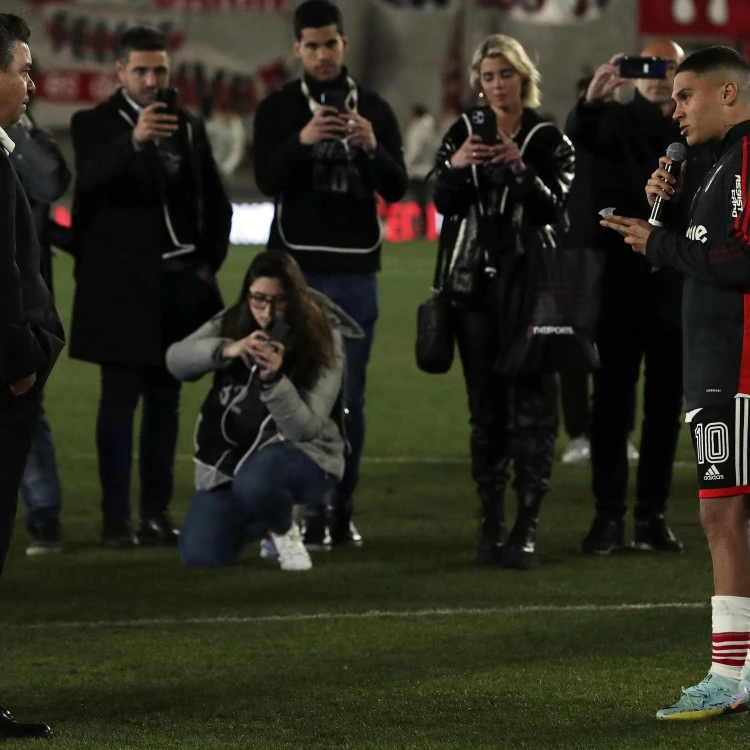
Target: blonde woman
502 179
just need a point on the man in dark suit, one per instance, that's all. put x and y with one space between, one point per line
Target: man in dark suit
31 336
151 225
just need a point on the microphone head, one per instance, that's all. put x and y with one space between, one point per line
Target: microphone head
677 152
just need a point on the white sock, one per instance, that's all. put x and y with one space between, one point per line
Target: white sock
731 635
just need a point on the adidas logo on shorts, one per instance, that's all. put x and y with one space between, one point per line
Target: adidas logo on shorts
713 474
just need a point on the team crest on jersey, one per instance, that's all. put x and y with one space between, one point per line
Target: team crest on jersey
737 197
698 233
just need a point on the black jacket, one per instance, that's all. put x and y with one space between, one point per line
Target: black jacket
325 195
715 259
625 142
31 336
492 222
121 233
44 174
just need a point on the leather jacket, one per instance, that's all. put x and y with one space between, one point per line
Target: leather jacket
492 219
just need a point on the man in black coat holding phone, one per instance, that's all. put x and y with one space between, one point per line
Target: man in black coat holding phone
151 225
626 141
31 336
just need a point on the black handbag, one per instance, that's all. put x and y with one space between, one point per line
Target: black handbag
436 328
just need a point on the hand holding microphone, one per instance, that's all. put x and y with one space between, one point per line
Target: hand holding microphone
666 181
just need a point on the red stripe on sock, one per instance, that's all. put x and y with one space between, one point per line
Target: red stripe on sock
739 662
722 637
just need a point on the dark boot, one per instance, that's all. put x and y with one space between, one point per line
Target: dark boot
491 526
520 549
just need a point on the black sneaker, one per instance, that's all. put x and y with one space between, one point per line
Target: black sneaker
343 532
46 539
118 535
606 535
158 530
653 535
315 534
10 728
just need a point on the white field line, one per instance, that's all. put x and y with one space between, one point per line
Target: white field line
371 615
413 460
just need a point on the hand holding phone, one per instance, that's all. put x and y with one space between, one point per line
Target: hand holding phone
155 122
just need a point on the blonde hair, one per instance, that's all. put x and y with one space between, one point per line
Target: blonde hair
500 45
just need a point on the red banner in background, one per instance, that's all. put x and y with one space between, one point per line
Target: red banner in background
729 18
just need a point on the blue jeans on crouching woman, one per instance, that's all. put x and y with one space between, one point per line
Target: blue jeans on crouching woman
261 498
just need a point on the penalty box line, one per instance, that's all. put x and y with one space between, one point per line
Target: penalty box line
369 615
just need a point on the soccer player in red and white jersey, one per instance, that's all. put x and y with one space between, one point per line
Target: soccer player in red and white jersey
712 92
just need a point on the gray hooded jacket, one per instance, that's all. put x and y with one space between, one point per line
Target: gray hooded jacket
303 418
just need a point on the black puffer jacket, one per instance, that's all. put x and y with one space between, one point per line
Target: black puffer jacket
492 221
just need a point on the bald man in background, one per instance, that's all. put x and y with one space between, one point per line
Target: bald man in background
627 140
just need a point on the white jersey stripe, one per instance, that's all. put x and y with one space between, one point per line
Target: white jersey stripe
737 447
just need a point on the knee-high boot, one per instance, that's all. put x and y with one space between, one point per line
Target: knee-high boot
520 549
491 525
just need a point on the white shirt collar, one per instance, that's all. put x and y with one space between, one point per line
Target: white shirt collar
6 142
136 107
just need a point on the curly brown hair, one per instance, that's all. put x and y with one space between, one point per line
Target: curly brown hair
311 339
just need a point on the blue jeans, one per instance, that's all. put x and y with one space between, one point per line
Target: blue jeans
261 498
40 486
357 295
122 387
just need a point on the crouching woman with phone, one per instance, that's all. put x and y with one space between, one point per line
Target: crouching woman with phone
268 435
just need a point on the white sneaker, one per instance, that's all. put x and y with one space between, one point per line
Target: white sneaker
633 454
268 549
578 451
292 552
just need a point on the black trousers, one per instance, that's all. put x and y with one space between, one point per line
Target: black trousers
624 343
18 417
512 420
574 398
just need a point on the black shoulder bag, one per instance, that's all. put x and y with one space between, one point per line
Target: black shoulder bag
436 330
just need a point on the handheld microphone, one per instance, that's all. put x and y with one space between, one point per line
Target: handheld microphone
677 152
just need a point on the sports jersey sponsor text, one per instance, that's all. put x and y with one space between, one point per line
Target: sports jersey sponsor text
737 197
698 233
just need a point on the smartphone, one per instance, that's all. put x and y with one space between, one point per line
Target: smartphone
484 124
168 97
335 98
277 330
643 67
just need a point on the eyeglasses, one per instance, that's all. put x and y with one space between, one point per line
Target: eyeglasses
262 300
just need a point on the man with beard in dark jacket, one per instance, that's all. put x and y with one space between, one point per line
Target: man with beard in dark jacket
151 225
627 141
324 147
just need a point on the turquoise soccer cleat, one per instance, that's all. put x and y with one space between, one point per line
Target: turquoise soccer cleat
713 697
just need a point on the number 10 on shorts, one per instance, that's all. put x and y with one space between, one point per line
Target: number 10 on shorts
712 443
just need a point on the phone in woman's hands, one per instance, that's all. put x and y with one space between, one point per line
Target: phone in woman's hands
277 330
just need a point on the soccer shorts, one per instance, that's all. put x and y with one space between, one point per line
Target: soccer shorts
721 440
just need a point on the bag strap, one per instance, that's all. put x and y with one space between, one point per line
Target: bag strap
438 268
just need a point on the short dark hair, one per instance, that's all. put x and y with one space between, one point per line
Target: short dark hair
13 29
140 39
315 14
712 59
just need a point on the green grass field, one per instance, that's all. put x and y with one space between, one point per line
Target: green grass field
402 644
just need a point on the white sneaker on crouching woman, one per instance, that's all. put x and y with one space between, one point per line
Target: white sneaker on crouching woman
292 552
